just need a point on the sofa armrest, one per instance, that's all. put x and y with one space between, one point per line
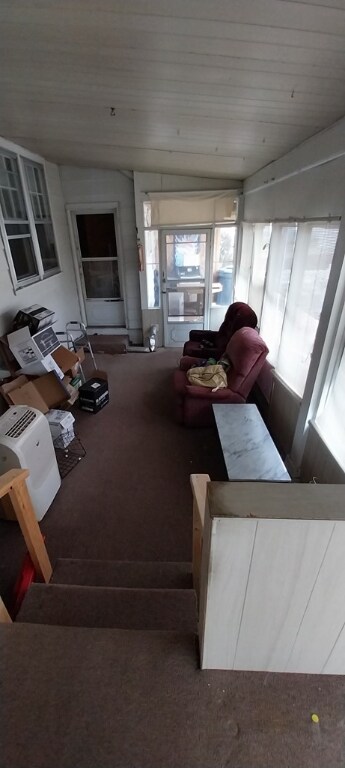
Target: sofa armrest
203 335
187 361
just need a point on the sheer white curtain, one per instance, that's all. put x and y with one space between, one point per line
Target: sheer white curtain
251 269
283 273
312 260
261 246
244 265
282 249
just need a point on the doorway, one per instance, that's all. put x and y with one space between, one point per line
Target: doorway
185 282
98 268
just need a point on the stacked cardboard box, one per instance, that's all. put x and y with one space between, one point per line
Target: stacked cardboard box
45 374
47 368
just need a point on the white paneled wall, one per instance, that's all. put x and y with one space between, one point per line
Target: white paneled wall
57 292
90 185
273 574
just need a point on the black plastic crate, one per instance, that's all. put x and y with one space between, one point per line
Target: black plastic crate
93 395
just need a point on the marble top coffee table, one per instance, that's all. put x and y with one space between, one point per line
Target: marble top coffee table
248 449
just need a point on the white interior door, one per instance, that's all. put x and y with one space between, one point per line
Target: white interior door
98 264
185 282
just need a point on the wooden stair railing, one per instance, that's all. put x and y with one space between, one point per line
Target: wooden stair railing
199 489
13 487
5 617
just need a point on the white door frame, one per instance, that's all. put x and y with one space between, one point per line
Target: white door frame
72 211
163 269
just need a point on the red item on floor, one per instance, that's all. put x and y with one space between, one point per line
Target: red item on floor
26 577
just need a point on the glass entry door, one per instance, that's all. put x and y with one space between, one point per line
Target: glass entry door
185 282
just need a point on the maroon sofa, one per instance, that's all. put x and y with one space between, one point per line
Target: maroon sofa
193 405
238 315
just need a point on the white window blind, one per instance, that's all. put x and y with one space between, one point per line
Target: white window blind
261 246
282 249
251 269
169 209
312 261
244 264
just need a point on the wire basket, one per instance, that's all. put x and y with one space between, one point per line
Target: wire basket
69 451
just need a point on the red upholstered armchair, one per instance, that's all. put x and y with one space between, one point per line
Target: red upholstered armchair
238 316
247 352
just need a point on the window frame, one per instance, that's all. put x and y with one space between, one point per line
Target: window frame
19 284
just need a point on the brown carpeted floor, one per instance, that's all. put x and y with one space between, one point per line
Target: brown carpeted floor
106 697
129 498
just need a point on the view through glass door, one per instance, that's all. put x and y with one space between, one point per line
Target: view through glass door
185 284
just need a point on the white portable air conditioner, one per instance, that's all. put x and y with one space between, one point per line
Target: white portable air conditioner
26 443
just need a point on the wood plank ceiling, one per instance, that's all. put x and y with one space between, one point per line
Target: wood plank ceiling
204 87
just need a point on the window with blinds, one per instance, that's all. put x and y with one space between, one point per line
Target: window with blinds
313 254
283 274
282 250
251 270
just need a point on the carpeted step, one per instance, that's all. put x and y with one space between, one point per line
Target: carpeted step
112 573
76 606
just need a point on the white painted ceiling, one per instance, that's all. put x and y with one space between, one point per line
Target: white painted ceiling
204 87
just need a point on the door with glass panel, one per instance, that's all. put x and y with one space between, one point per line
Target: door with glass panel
98 265
185 282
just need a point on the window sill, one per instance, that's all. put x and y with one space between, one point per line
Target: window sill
27 283
36 279
337 455
51 273
281 381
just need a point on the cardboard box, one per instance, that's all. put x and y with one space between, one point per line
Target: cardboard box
28 349
61 426
94 394
35 318
40 367
46 392
43 352
68 361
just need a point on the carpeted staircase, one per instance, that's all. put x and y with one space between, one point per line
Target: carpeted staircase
118 595
110 649
101 670
121 595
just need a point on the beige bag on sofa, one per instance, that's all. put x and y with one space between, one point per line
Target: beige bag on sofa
212 376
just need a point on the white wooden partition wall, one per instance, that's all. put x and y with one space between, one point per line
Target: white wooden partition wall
272 594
